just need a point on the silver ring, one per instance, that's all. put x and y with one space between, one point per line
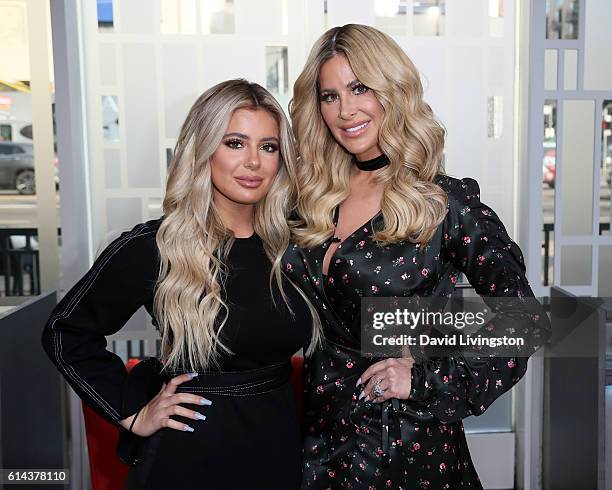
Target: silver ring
378 390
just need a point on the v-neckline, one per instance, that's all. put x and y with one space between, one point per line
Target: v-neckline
335 219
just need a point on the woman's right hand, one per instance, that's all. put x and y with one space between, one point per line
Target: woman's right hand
156 414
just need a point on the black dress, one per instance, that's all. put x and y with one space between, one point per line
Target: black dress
250 438
417 443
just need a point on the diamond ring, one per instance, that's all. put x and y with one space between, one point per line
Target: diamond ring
378 390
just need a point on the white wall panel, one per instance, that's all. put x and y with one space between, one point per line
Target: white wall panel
340 12
137 16
108 64
123 212
466 125
180 92
551 60
262 16
141 119
577 167
233 58
112 168
576 265
467 18
598 45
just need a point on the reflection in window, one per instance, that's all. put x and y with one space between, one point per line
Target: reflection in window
6 132
277 74
105 14
495 105
605 186
548 190
110 118
562 19
178 17
496 18
325 14
429 17
391 16
218 17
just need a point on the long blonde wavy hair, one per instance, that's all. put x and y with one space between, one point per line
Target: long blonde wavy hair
193 241
412 204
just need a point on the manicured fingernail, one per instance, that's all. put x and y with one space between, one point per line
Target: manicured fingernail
367 398
186 428
199 416
192 375
361 395
358 382
204 401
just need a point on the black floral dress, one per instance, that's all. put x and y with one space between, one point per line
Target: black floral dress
417 443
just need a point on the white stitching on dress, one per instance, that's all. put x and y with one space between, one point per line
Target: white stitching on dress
94 273
231 387
242 394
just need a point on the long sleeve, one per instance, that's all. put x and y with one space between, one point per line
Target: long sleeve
120 281
477 244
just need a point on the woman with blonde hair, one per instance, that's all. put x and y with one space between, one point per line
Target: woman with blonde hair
217 410
378 218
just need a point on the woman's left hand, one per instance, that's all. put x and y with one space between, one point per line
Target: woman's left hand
393 376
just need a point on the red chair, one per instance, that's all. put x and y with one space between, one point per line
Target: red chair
108 472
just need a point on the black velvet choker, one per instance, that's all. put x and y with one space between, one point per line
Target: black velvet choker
374 164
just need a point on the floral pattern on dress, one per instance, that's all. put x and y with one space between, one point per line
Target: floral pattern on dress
417 443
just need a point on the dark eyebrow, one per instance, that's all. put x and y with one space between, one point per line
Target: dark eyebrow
238 135
351 84
246 137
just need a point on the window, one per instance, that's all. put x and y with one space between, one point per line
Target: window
6 132
562 19
218 17
429 17
277 66
105 14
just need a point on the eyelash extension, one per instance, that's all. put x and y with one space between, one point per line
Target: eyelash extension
357 86
232 142
360 86
325 95
272 146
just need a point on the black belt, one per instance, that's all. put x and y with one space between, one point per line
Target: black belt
236 383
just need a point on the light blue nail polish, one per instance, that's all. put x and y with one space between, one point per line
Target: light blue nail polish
204 401
361 395
186 428
199 416
192 375
358 382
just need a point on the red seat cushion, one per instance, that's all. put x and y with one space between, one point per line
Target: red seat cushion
108 472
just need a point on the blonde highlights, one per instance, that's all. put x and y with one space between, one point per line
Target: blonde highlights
194 243
413 205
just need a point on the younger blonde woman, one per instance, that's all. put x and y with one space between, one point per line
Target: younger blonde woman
217 410
378 218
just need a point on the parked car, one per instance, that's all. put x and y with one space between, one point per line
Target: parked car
17 167
549 164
